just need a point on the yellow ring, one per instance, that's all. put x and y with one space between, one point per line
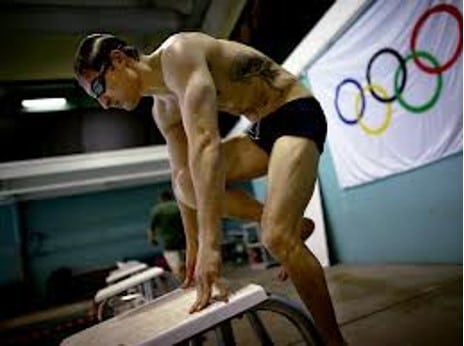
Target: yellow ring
380 90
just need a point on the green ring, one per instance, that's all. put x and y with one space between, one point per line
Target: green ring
429 104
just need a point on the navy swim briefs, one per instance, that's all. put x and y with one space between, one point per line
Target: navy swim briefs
302 117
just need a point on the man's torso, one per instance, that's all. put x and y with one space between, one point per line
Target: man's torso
247 82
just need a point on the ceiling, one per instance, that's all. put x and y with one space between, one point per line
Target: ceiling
77 16
40 36
38 39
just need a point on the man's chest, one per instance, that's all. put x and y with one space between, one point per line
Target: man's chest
166 111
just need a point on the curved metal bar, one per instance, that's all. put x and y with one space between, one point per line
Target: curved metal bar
295 314
258 328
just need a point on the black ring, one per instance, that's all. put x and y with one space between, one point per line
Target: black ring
403 80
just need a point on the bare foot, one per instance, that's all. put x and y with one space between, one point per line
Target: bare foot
307 228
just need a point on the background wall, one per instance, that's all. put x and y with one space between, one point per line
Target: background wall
415 217
10 252
89 231
80 234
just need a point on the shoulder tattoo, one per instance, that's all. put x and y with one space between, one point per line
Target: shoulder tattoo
245 67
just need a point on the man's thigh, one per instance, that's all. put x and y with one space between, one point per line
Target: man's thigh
291 178
243 159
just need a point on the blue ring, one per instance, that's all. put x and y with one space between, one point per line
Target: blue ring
363 101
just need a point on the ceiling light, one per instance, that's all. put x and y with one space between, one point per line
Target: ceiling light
45 105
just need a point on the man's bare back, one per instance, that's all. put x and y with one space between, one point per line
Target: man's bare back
247 82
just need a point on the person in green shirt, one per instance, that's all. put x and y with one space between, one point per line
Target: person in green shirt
167 230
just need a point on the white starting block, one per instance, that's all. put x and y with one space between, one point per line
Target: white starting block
144 279
166 320
131 292
124 270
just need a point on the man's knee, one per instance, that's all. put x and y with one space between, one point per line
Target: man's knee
183 188
278 238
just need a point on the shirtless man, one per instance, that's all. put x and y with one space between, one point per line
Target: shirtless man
190 77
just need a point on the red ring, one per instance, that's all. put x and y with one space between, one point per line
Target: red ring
454 12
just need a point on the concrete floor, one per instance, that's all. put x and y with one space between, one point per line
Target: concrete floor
380 305
375 305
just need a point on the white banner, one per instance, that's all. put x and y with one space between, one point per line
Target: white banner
391 87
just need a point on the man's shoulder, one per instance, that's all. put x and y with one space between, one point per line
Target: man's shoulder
186 39
183 53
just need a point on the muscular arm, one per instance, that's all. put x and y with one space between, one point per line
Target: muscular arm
177 147
187 74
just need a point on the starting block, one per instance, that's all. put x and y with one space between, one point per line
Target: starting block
166 320
132 291
142 278
124 270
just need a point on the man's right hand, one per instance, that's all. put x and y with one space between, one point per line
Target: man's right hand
190 262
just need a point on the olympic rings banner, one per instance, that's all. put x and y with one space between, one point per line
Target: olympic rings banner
391 88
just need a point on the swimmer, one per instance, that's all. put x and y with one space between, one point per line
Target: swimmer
191 76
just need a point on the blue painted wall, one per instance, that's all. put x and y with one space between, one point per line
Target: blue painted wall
10 251
82 232
413 217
